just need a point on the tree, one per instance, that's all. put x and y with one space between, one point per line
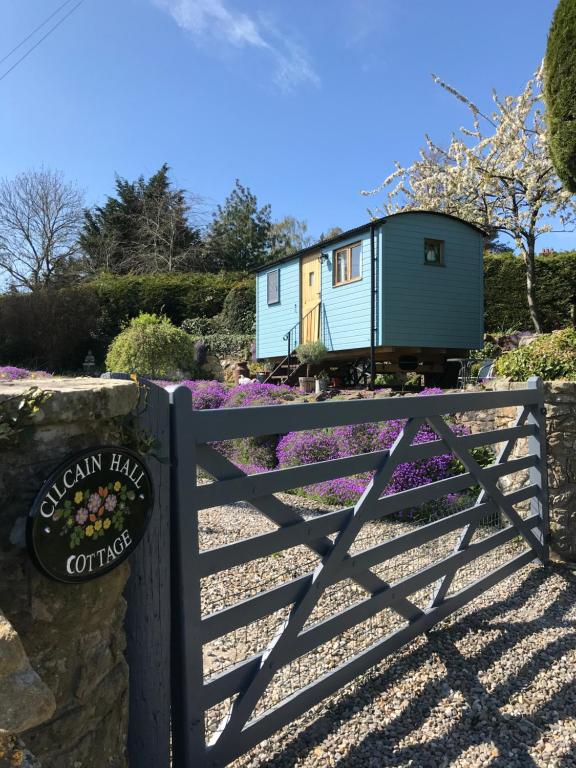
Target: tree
502 180
287 236
149 226
238 237
332 232
560 92
40 220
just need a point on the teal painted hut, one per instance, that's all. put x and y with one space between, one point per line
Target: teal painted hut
400 293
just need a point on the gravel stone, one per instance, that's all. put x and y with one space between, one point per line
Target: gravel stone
492 685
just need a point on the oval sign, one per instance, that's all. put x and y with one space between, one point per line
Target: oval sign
90 514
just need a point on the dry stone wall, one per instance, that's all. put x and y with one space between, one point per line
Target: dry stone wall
63 676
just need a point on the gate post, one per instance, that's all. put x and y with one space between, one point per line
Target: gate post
147 594
539 474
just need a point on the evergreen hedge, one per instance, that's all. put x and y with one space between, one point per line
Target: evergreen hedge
505 302
560 91
53 329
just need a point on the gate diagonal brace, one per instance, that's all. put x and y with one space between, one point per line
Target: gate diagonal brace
469 530
220 467
278 649
489 488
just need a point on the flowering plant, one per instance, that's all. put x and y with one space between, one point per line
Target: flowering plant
91 513
12 373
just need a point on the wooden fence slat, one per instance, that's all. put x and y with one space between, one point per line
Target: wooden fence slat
231 423
277 480
300 702
224 685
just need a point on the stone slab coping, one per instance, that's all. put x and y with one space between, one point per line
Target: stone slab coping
75 399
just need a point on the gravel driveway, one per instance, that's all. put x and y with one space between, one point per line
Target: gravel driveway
494 685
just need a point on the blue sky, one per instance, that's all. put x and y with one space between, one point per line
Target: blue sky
306 103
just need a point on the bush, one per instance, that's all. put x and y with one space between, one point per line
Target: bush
224 345
560 92
550 356
239 310
505 291
311 353
151 345
199 326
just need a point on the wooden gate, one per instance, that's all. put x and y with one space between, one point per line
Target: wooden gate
376 578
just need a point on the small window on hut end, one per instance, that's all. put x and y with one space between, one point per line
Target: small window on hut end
273 286
434 252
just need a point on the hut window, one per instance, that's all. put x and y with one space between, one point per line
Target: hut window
434 252
273 286
348 264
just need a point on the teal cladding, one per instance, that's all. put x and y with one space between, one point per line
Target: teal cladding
417 304
275 320
427 305
346 308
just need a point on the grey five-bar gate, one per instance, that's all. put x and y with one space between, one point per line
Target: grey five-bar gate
252 660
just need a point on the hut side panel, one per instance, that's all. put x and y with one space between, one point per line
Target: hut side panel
346 307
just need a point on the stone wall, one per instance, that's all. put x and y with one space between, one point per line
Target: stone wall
560 403
63 676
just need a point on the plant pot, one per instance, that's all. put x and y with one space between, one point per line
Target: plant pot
321 385
261 376
306 384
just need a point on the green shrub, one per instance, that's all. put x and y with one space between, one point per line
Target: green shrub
199 326
152 345
550 356
223 345
311 353
505 291
239 309
560 92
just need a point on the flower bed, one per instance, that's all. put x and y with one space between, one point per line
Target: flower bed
12 373
259 454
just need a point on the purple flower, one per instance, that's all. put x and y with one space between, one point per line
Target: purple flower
257 393
110 503
94 503
11 373
81 515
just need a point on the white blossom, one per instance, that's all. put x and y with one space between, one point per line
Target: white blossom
496 174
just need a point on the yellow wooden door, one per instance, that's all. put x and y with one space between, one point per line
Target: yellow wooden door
310 293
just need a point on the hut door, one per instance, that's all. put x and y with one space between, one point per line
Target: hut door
310 293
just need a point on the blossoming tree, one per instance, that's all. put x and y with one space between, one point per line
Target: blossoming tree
496 174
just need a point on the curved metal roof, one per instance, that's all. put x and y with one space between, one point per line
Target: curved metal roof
362 228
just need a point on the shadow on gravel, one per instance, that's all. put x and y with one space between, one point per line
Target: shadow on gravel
482 721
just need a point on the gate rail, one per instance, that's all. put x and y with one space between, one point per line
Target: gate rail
194 431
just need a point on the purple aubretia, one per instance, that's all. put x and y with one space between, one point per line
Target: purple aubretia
11 373
258 454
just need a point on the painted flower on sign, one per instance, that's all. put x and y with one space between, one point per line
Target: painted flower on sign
90 514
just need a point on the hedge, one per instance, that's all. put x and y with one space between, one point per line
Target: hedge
505 302
53 329
560 92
